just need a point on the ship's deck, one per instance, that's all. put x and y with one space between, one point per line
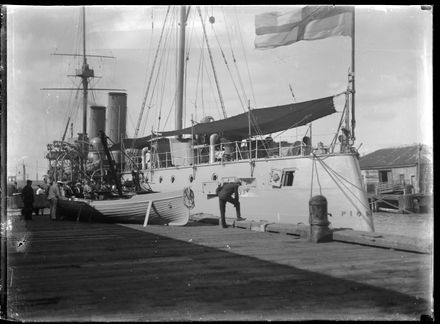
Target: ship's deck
68 271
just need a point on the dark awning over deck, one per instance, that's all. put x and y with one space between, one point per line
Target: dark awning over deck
264 121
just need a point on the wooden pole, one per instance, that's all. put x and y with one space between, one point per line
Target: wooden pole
249 129
3 168
192 140
310 144
419 149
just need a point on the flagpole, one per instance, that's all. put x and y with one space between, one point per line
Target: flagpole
353 91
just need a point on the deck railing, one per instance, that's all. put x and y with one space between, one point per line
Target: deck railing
387 187
232 151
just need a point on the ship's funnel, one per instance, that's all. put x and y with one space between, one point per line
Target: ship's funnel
97 121
116 116
115 127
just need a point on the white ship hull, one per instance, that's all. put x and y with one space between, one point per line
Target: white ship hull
153 208
335 176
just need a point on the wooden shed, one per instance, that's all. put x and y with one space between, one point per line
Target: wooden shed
398 171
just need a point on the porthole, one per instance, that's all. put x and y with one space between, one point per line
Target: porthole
173 178
160 179
214 177
191 178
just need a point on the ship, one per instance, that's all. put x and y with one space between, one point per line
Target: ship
278 178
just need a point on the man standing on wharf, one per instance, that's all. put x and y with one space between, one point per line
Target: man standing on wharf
224 193
53 196
28 200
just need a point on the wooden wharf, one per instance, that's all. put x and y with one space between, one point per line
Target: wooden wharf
401 203
86 271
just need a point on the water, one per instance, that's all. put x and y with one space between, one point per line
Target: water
413 225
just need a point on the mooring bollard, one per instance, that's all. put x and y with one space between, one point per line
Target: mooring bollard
319 231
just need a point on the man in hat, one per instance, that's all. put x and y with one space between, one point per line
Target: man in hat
78 190
27 194
224 192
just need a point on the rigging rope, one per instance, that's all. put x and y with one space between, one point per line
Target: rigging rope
311 183
343 178
169 112
336 182
148 86
212 64
239 78
245 58
147 44
344 111
211 87
229 70
254 124
240 81
200 76
164 83
201 86
160 64
73 113
330 171
314 167
317 178
72 108
186 60
161 94
174 97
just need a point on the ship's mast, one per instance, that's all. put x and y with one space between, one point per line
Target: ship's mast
353 90
181 68
84 73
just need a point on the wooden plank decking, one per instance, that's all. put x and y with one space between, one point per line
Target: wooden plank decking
68 271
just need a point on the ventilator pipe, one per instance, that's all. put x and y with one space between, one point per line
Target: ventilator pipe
144 163
213 139
207 119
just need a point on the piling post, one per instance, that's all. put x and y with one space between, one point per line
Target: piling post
319 230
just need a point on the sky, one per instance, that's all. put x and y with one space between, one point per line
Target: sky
393 72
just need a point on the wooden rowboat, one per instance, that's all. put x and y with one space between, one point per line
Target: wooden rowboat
150 208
